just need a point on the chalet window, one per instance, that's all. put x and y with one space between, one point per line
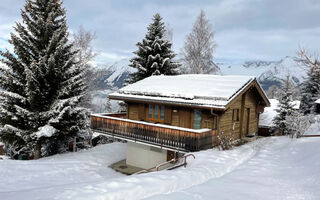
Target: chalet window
197 119
162 113
150 112
155 113
235 115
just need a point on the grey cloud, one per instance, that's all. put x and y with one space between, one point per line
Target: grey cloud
245 29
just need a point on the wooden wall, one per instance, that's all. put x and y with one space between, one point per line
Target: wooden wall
226 125
251 102
183 117
208 120
176 116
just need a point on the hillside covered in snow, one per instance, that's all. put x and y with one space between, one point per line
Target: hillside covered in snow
269 168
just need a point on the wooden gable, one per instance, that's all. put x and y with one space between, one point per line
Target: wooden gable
260 95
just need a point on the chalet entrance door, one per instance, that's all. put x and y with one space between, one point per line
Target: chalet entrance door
246 121
175 117
170 155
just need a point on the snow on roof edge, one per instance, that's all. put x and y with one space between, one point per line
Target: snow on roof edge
263 92
221 87
240 90
173 101
216 102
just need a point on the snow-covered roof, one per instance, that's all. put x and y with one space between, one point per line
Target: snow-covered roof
192 89
318 101
296 104
266 118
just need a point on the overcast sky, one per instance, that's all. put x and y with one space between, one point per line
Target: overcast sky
245 29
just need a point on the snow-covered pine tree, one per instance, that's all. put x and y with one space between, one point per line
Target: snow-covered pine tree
310 90
154 55
285 106
42 85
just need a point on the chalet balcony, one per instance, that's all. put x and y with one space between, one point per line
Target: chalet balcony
160 135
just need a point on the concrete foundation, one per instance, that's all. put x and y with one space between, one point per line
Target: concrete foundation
143 156
123 168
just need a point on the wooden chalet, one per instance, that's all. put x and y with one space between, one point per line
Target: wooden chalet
184 113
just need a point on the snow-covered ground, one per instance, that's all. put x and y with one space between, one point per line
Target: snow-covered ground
270 168
57 173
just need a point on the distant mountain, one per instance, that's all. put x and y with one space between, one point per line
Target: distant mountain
268 72
106 79
113 76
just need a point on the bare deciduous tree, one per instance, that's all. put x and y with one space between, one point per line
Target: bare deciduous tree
273 92
82 43
168 34
199 48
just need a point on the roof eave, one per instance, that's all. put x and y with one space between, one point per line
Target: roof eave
247 86
114 96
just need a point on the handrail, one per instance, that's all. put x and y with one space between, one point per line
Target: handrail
165 163
185 158
165 136
109 116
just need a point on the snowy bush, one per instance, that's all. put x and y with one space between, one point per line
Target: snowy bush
298 124
225 141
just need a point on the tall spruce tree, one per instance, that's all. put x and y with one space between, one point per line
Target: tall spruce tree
42 85
285 106
154 55
310 90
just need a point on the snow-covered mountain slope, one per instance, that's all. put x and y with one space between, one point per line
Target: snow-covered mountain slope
268 72
113 76
269 168
106 80
119 71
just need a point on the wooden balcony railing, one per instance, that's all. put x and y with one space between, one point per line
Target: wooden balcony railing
171 137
